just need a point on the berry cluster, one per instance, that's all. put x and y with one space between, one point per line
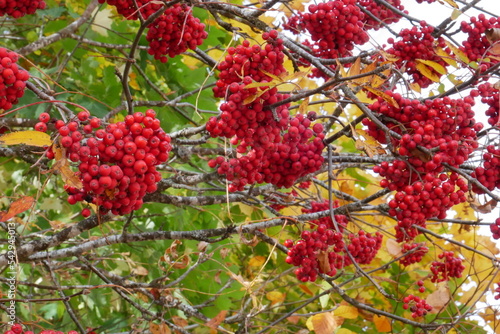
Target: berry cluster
171 33
335 28
416 255
421 287
363 247
490 97
128 9
449 267
116 164
429 134
18 329
273 147
489 173
495 229
417 306
477 44
323 250
382 14
19 8
12 79
175 31
417 43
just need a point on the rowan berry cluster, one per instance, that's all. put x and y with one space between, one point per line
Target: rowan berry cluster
490 97
416 305
175 31
18 329
489 173
335 28
495 229
448 267
416 255
116 164
171 33
430 133
323 249
477 44
12 79
274 147
19 8
129 10
382 14
414 44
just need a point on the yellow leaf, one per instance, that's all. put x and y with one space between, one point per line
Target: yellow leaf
28 137
455 14
345 331
457 52
133 81
390 57
355 68
427 72
451 3
323 323
257 261
387 98
382 324
306 290
436 66
445 56
415 87
275 297
346 311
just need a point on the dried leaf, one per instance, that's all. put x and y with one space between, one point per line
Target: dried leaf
484 208
18 206
181 322
346 311
382 324
217 320
159 329
439 298
202 246
369 145
182 264
393 247
62 166
324 263
28 137
139 270
492 35
294 319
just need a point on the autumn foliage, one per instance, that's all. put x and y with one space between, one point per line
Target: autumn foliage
279 166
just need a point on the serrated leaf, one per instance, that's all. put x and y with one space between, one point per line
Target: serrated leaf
346 311
427 72
18 206
457 52
436 66
28 137
382 324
